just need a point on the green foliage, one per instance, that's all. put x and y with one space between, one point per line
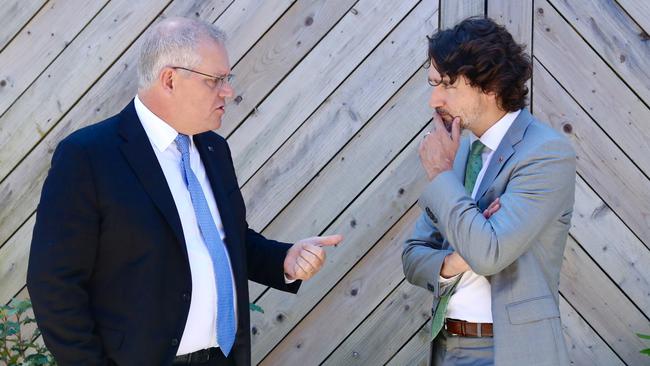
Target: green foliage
255 307
644 336
20 346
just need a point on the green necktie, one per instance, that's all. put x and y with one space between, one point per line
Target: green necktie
474 165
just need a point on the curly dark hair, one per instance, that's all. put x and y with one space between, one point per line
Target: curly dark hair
487 55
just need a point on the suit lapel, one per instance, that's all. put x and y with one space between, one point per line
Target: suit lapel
215 166
140 155
504 151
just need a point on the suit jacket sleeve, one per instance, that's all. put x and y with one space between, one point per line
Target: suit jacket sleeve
423 255
265 261
63 249
537 191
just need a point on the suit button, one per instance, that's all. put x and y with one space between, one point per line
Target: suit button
431 215
174 342
186 297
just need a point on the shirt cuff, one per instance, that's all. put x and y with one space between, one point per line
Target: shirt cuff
287 280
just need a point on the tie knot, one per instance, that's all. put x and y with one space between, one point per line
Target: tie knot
183 143
477 147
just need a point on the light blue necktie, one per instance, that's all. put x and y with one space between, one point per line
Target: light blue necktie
226 327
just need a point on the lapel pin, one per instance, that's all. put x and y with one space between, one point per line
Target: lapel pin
209 148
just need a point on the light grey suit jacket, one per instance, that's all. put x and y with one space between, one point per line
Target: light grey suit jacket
519 249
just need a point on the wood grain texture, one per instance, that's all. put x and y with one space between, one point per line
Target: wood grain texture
615 36
453 11
13 17
601 162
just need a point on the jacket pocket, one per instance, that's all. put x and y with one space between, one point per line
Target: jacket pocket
532 310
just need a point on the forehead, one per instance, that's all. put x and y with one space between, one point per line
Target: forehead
214 57
434 75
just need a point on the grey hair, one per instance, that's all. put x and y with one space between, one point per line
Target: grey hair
173 42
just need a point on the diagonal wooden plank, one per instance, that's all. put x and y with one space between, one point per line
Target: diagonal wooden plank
14 256
380 205
60 86
612 245
516 16
40 42
585 346
416 351
20 191
601 163
453 11
347 111
602 304
610 31
593 84
243 15
349 302
640 11
389 326
277 52
312 81
303 154
407 106
15 14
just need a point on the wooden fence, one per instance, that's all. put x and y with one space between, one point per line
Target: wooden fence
331 101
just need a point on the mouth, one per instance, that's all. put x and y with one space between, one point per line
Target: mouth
222 109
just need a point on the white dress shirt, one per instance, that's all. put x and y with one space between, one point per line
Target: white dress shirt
472 299
200 328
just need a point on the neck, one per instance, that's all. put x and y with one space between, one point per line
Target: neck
490 118
158 107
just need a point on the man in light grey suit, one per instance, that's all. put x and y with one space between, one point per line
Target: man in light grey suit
497 210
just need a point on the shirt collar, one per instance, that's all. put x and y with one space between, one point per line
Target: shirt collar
159 132
493 136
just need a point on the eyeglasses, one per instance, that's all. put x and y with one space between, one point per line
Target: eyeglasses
215 82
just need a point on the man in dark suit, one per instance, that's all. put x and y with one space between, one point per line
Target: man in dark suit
141 251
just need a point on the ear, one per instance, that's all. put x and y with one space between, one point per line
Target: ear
167 79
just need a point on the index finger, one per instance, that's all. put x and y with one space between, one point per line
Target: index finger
329 240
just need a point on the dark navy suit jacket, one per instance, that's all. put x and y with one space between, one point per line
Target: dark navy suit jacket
109 275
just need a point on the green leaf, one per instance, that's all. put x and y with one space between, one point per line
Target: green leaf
255 307
37 359
23 306
644 336
646 351
12 328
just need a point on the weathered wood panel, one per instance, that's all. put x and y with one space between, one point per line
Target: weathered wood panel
331 103
13 17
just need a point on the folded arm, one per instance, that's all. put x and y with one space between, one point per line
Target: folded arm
537 192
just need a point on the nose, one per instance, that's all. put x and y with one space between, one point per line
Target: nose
436 100
226 90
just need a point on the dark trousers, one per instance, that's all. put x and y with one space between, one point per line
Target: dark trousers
451 350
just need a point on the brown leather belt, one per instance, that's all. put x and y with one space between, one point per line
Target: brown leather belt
467 329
